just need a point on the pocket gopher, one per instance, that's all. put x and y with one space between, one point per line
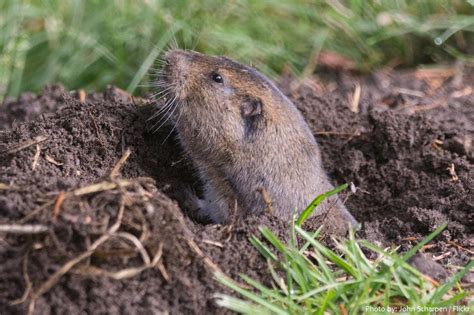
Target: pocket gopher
245 138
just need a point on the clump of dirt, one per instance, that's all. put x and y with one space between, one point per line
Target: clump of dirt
89 175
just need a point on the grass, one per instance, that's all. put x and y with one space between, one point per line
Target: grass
313 279
90 44
310 278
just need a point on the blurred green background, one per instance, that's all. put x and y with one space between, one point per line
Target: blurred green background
91 43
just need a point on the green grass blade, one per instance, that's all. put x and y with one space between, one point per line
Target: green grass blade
309 210
313 236
273 294
335 285
425 241
327 297
273 239
442 290
264 250
452 301
250 295
238 305
328 253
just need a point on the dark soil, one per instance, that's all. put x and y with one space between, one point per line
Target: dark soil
408 150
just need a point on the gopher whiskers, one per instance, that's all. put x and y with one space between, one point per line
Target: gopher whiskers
163 92
170 110
159 62
165 107
156 84
174 125
162 109
166 117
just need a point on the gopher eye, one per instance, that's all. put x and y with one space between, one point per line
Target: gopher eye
216 77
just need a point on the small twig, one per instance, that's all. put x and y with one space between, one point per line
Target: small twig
36 157
436 258
437 144
52 161
409 92
58 204
427 246
195 248
356 133
115 171
127 252
94 188
139 101
135 241
464 92
421 108
92 271
8 187
28 284
356 98
35 212
82 95
157 257
114 228
145 231
460 247
158 262
266 199
25 144
452 172
207 261
214 243
23 229
124 273
233 216
429 279
163 271
31 307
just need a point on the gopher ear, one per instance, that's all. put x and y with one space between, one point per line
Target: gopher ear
251 107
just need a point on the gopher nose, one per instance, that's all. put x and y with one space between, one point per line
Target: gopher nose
178 59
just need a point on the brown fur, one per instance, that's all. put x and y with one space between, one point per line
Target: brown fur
243 135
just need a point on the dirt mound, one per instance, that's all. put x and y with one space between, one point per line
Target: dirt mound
15 111
61 173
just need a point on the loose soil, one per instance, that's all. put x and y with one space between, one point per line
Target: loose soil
406 145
